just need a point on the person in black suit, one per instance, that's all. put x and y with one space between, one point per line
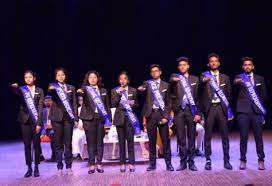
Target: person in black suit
248 114
31 129
123 125
62 122
183 113
215 111
93 121
48 126
156 117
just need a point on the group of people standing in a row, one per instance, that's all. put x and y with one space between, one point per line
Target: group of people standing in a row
190 98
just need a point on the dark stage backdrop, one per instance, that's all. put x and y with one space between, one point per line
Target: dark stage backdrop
110 36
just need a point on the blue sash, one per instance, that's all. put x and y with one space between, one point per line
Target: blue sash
64 99
93 95
219 92
253 93
158 100
129 112
188 92
29 100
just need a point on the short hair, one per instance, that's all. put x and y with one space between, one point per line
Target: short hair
213 55
183 58
154 66
247 59
48 97
99 78
123 73
60 69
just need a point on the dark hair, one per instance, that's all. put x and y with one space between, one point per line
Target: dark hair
124 73
154 66
247 59
99 78
213 55
48 97
60 69
183 58
32 73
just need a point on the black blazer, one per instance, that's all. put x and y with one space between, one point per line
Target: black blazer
243 102
148 103
57 109
119 115
88 107
206 93
177 92
23 114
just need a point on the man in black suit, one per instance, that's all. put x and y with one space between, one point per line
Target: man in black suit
157 117
215 111
184 115
248 113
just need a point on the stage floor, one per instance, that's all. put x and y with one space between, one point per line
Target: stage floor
12 168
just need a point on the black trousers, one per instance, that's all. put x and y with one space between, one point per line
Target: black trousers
126 134
216 116
63 140
244 122
185 118
30 137
153 122
95 134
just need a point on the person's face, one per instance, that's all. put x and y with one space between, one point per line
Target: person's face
29 79
213 63
60 76
183 67
248 66
80 100
47 102
123 80
92 79
155 73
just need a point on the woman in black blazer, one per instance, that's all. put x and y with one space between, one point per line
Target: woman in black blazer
123 125
30 119
63 118
93 120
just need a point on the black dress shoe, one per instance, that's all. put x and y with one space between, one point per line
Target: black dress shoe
151 168
28 173
227 165
182 167
100 170
36 172
42 158
208 165
91 171
169 167
192 167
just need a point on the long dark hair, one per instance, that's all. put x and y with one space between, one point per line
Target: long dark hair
99 78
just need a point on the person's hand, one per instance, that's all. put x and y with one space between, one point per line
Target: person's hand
202 122
141 88
76 124
131 102
197 118
15 85
38 129
51 87
164 120
80 91
48 126
176 79
206 79
239 81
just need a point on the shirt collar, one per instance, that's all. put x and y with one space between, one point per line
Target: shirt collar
215 73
